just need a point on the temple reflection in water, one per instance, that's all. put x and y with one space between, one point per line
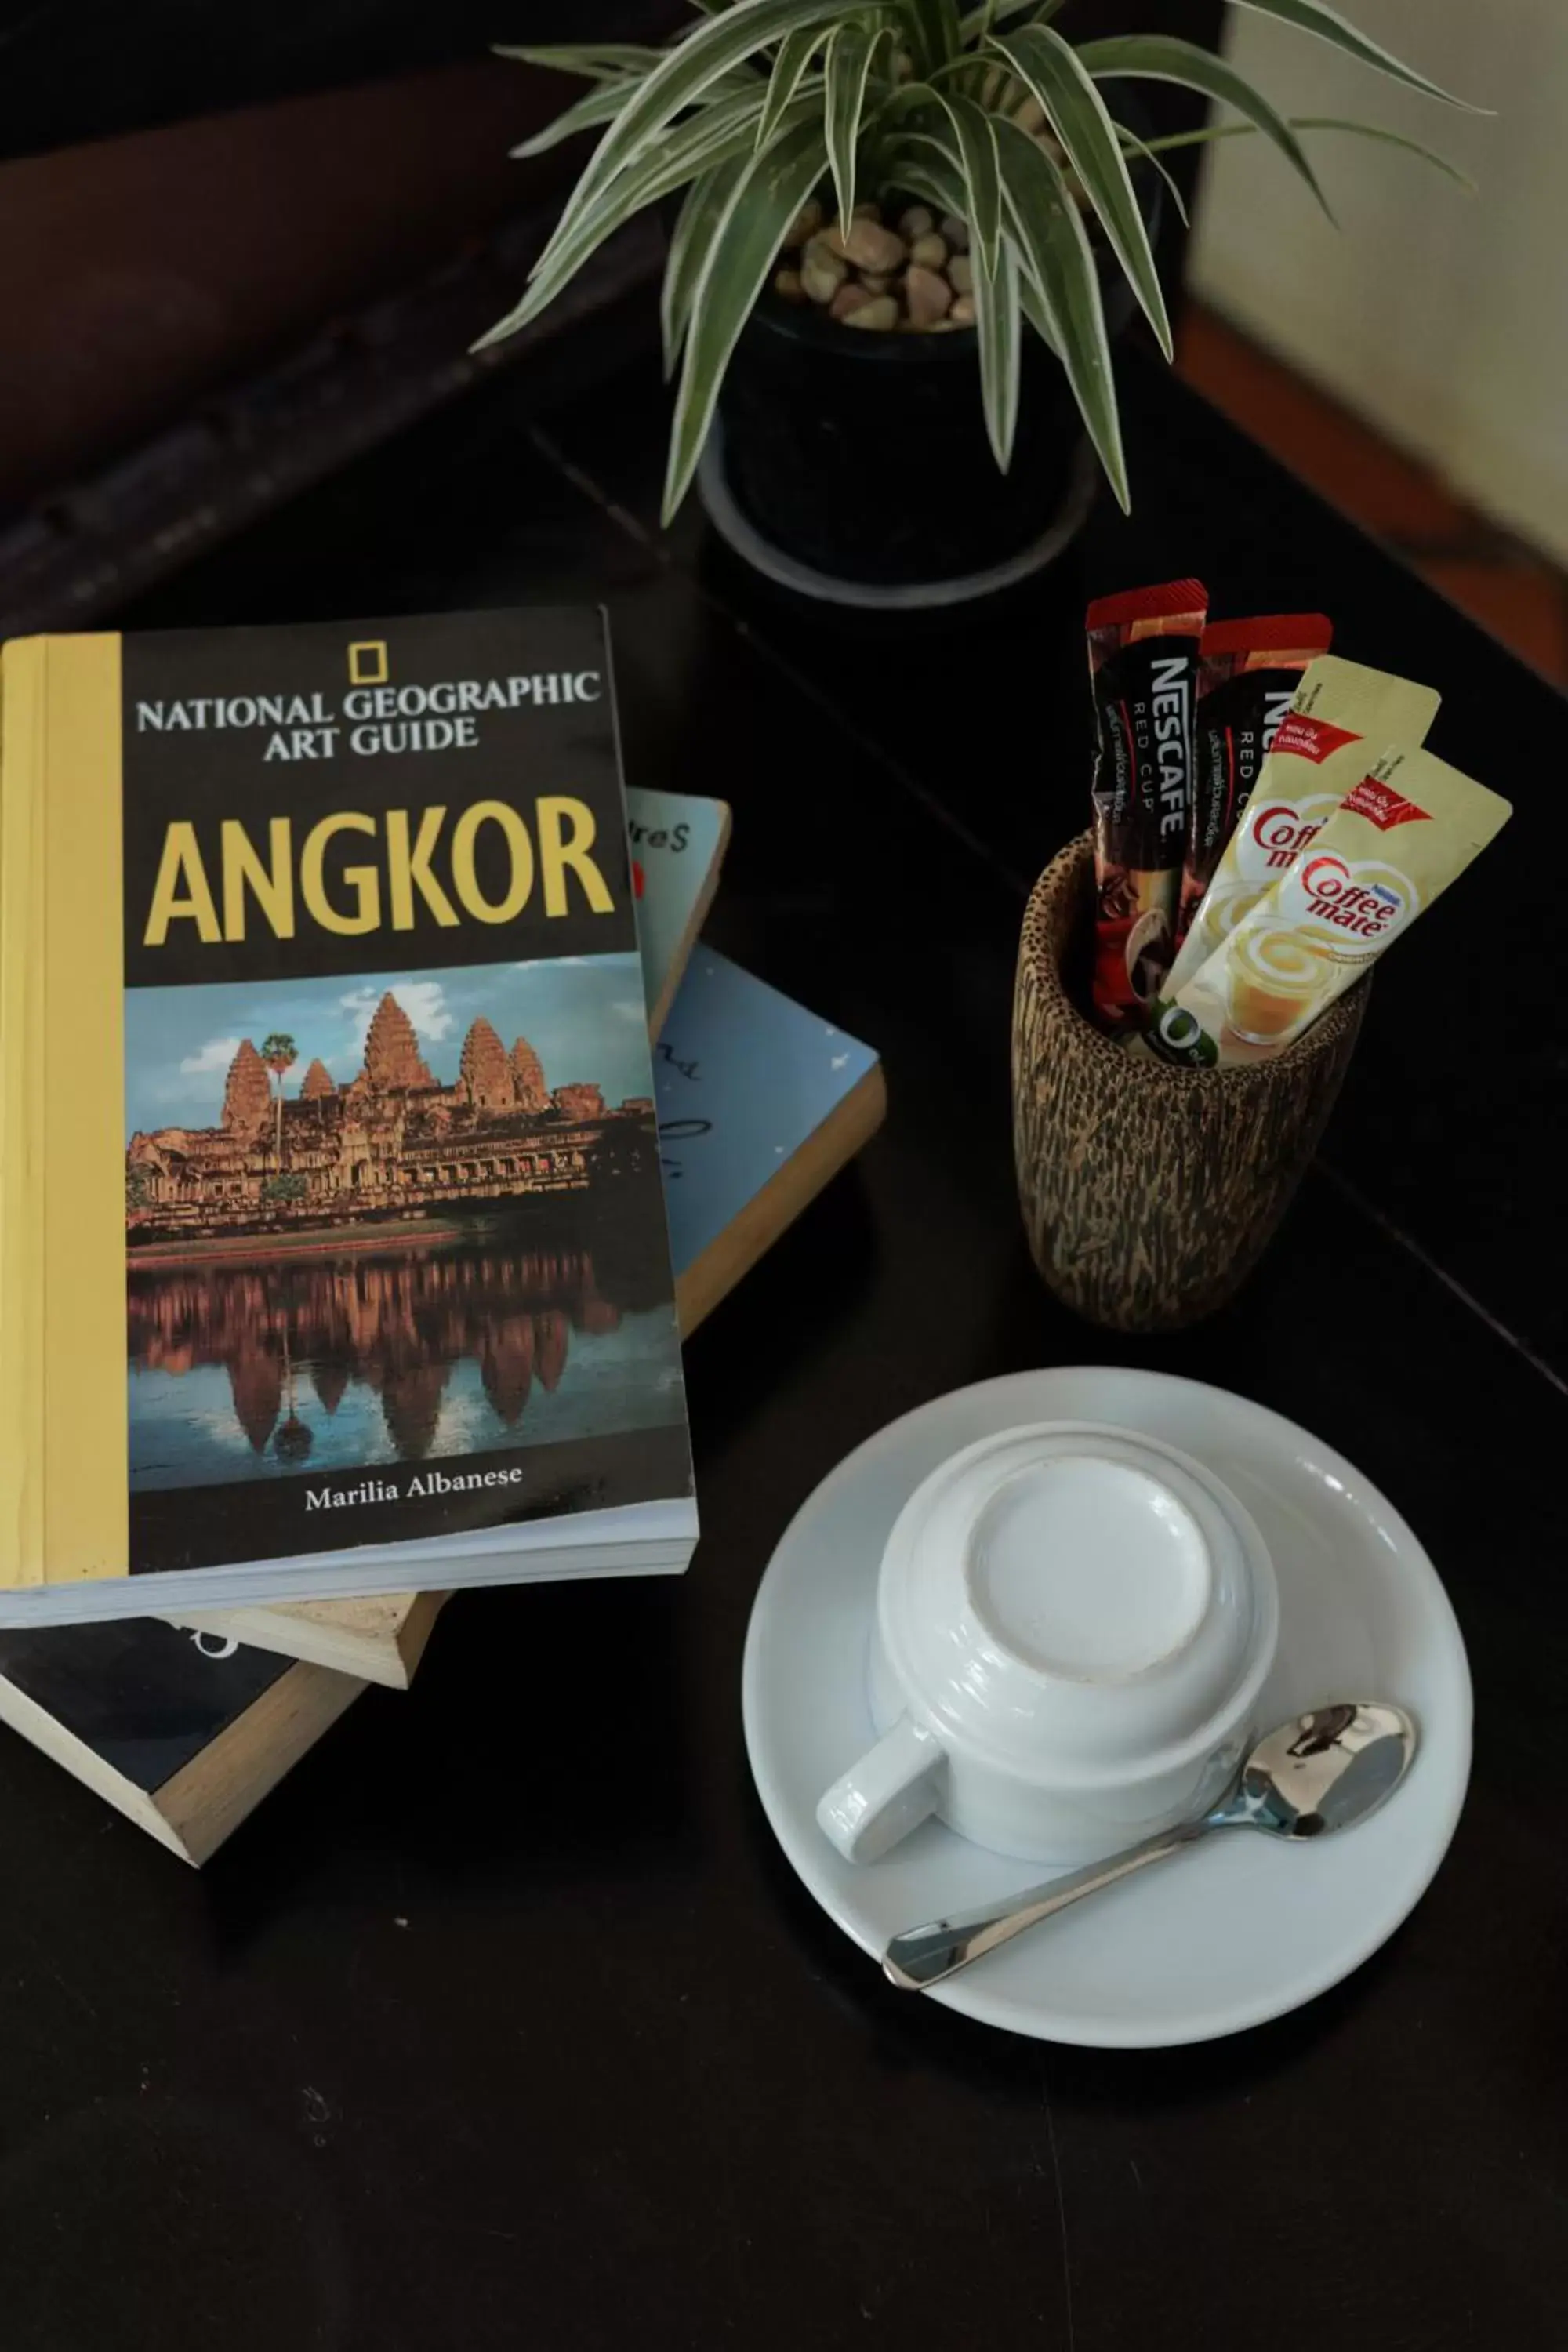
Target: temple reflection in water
394 1356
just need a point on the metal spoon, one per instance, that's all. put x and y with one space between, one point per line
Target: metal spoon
1317 1772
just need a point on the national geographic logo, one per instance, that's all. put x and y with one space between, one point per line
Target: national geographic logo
367 662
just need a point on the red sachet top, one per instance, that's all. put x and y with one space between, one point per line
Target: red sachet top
1175 599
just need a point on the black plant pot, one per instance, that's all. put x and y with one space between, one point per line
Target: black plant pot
863 458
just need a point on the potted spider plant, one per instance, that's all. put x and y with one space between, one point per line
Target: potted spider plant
906 237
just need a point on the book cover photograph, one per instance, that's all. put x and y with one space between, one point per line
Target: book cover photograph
381 1261
352 966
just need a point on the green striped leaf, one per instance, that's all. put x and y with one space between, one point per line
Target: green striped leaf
1316 16
765 199
930 177
1032 304
935 36
1212 130
1389 139
996 323
705 138
846 68
916 111
707 201
982 20
929 169
686 74
1135 146
929 166
594 60
602 104
1077 114
795 53
975 131
931 35
1059 261
1155 58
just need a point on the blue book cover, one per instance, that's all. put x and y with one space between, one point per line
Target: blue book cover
758 1101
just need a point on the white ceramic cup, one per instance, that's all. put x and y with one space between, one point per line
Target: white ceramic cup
1073 1626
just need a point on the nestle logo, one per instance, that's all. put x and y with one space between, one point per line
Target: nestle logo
1382 806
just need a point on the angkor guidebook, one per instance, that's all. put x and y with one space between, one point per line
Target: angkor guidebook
332 1247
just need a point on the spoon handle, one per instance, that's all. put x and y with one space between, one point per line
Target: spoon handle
922 1957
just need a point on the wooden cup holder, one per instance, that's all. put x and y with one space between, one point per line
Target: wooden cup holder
1150 1192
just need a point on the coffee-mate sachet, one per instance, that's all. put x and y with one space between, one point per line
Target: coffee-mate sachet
1400 835
1341 718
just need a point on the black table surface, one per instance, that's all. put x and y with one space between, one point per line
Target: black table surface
499 2024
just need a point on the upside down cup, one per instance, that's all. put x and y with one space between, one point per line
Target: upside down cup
1149 1192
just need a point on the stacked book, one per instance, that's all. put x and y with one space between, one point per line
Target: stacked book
373 1129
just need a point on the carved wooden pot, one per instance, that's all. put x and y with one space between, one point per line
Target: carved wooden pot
1149 1194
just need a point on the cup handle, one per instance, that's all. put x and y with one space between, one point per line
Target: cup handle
885 1795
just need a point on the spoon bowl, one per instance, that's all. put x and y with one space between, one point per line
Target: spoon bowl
1323 1771
1317 1774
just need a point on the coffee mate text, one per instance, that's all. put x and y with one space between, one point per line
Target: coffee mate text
1281 831
1366 910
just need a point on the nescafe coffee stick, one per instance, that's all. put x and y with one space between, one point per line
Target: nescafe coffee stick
1143 665
1247 672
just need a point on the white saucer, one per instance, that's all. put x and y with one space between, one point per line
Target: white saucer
1240 1929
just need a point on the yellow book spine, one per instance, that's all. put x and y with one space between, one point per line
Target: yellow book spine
86 1436
64 1506
22 754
